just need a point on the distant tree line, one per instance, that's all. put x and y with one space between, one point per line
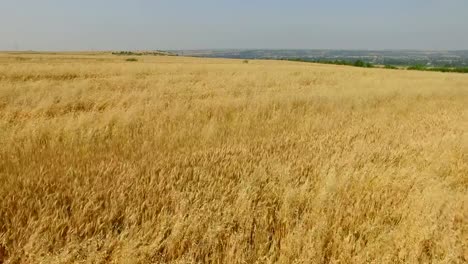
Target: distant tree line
141 53
357 63
438 69
363 64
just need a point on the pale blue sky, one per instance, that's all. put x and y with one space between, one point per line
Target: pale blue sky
202 24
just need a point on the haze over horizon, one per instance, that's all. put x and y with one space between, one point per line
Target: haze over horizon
259 24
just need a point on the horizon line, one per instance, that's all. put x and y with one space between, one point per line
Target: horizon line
234 49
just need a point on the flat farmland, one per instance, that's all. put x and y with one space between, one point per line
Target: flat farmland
189 160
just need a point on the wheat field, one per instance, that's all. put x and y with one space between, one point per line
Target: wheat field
190 160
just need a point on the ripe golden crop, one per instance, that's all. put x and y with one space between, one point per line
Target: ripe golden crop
186 160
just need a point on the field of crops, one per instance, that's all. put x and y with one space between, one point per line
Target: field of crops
184 160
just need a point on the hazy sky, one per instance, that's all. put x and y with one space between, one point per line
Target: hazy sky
200 24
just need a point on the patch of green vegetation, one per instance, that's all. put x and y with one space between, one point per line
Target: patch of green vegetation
141 53
391 67
459 70
131 59
363 64
417 68
127 53
360 63
437 69
357 63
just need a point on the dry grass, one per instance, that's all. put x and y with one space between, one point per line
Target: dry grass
180 160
